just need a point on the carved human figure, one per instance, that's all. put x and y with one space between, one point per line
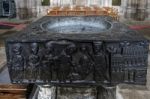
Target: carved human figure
65 61
100 60
111 49
33 63
85 63
17 62
127 52
131 75
47 63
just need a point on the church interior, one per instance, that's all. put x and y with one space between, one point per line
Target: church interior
16 15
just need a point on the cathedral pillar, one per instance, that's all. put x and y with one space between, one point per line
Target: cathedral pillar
21 8
148 9
136 9
27 8
141 10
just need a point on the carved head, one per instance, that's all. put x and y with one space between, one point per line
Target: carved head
49 47
34 48
17 49
125 43
97 47
84 48
71 49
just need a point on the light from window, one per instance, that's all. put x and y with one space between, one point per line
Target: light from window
116 2
45 2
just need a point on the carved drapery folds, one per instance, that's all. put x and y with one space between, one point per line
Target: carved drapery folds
68 62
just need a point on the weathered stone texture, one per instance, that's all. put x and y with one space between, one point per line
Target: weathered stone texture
46 92
76 93
49 92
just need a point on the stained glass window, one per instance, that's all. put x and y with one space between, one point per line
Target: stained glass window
45 2
116 2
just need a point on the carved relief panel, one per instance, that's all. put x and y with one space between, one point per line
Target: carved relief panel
67 62
128 60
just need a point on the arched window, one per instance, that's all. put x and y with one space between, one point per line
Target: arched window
116 2
45 2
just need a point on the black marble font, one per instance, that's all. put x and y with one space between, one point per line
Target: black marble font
89 50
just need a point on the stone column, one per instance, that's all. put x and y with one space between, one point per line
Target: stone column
102 3
51 92
123 6
79 2
106 93
129 11
148 9
32 8
1 8
141 10
21 8
136 9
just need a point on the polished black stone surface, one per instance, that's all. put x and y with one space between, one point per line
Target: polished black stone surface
113 30
89 50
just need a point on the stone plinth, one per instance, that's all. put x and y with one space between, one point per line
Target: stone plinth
2 57
51 92
132 92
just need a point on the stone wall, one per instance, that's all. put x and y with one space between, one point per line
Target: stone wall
131 9
27 8
137 9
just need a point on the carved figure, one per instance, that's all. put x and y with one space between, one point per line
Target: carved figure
111 49
66 65
17 62
85 63
131 75
100 60
33 63
47 63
